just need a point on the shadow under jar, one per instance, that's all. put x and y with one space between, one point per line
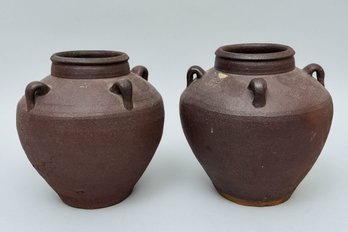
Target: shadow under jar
255 122
91 127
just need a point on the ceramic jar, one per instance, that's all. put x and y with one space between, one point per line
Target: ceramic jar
91 127
255 122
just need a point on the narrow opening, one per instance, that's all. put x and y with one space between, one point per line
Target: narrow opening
89 54
89 57
255 49
261 51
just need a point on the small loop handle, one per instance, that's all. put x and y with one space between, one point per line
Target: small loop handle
125 89
32 91
194 70
258 86
141 71
311 68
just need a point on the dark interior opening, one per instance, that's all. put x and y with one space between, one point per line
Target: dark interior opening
251 49
89 57
90 54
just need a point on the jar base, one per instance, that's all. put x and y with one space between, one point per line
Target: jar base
255 203
93 203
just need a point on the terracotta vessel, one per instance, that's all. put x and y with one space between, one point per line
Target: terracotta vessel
91 127
255 122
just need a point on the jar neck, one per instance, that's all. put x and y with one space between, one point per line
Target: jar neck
89 64
255 59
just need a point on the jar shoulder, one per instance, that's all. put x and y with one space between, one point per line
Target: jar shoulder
92 97
294 92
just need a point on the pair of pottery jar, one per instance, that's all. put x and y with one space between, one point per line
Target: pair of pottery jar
255 122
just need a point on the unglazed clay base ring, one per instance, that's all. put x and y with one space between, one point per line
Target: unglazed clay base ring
255 203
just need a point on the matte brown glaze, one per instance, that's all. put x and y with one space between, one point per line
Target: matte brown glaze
91 127
255 122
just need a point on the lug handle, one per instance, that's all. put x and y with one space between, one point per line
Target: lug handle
141 71
125 89
32 91
258 86
311 68
192 71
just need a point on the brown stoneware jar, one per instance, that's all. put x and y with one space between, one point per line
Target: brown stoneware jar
91 127
255 122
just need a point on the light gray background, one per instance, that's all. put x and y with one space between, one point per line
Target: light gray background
174 194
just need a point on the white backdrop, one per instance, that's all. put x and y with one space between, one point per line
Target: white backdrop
167 37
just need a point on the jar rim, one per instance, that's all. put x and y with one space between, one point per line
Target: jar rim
255 51
89 57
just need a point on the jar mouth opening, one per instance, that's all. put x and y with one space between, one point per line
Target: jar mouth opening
89 57
255 51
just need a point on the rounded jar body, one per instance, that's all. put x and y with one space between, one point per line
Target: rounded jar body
91 127
255 122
